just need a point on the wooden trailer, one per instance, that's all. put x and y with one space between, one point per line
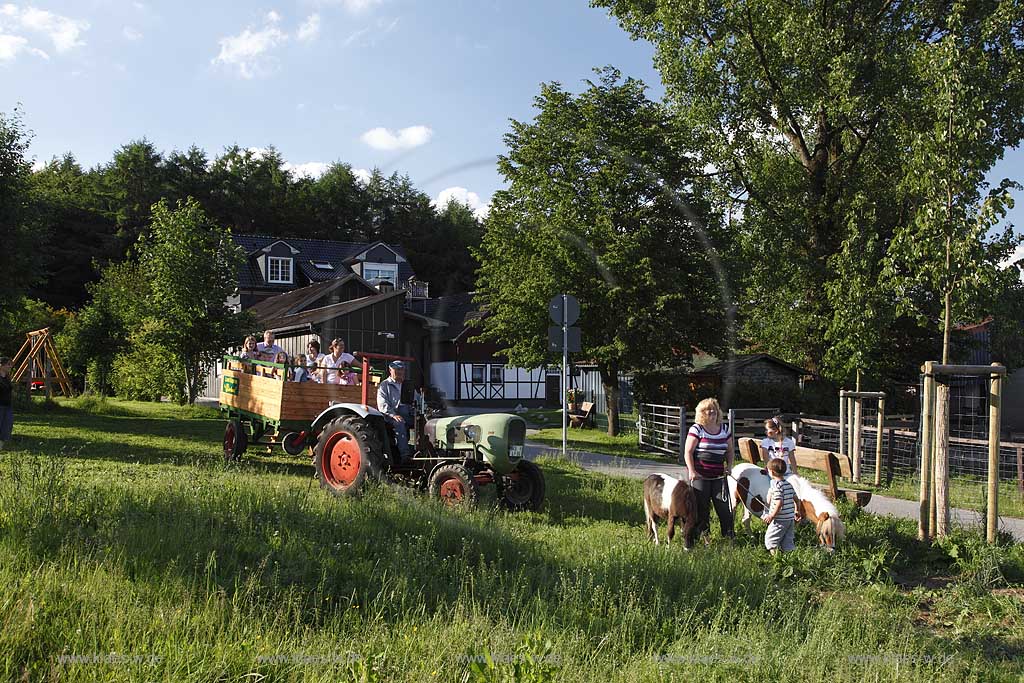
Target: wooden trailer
271 411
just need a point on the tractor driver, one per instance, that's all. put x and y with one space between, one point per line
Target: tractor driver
389 402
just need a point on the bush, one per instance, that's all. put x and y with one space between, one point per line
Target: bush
146 374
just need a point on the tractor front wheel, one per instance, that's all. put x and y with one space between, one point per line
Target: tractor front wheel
236 440
523 489
454 485
347 454
294 443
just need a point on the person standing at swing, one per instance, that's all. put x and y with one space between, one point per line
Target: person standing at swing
709 458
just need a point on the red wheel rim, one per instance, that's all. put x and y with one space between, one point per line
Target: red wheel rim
452 491
229 441
341 460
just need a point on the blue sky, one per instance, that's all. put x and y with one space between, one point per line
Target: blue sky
415 86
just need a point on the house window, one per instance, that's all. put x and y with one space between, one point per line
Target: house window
322 265
381 271
478 374
497 374
279 270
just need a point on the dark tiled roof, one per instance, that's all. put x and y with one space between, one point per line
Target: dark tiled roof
318 315
335 253
296 300
457 310
733 364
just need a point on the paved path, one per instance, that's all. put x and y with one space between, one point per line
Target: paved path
636 468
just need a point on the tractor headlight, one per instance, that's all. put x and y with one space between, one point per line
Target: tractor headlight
472 433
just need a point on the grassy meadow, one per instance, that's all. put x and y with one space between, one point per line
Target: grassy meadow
130 551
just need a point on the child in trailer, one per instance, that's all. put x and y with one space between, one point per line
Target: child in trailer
278 373
249 353
314 360
300 374
781 517
777 445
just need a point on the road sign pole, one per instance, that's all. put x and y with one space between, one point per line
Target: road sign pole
565 378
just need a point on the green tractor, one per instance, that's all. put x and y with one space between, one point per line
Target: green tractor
451 457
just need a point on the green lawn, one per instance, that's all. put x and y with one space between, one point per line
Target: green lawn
598 441
130 551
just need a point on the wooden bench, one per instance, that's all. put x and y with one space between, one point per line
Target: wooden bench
583 417
834 465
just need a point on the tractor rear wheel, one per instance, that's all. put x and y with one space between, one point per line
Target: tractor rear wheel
453 484
236 440
523 489
347 454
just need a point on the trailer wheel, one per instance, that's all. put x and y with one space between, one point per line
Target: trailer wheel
236 440
454 485
524 488
346 455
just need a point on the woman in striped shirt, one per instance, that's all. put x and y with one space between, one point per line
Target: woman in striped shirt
709 456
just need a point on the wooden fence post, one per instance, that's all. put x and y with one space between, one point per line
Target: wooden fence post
941 525
925 439
878 442
995 406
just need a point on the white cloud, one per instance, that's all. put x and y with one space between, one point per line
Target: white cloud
355 35
310 169
273 17
479 208
247 52
62 31
406 138
356 6
1012 259
362 175
10 46
130 34
310 28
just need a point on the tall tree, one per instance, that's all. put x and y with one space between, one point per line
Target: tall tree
23 237
602 203
135 180
947 247
807 112
82 237
191 266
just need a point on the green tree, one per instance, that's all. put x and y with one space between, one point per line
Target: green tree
602 203
808 111
101 330
135 180
191 267
23 236
947 249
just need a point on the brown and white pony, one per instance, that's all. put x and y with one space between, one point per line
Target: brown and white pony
749 487
669 498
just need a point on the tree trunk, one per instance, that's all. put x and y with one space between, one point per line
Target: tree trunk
610 382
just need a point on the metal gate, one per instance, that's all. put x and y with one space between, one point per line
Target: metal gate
662 428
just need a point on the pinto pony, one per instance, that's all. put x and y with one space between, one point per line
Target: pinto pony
669 498
749 487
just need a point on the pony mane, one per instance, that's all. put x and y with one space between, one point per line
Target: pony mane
806 491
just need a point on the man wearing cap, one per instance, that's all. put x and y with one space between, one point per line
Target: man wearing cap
389 402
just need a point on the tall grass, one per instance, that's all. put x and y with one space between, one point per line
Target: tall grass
114 567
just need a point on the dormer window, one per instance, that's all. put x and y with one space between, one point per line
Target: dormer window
279 270
381 271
